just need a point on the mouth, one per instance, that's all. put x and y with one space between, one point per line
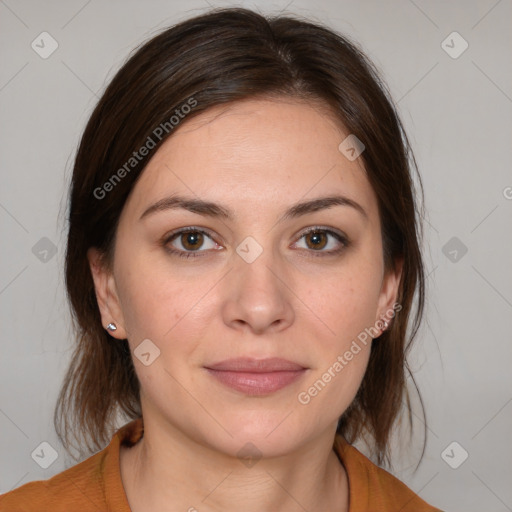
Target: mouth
256 376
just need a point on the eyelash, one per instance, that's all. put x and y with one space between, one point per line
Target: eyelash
195 254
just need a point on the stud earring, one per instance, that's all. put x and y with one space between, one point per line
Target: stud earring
111 327
386 325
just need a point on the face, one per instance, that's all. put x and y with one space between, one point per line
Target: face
252 278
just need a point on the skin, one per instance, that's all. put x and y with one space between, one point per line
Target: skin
257 158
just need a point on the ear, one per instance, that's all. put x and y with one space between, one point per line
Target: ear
389 292
106 294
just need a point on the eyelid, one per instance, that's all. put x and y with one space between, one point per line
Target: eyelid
327 229
188 229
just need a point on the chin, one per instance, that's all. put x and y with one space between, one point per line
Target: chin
251 447
268 434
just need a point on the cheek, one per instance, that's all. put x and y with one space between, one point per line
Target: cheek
346 304
342 353
163 304
146 309
350 304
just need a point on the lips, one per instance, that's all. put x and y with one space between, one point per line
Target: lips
256 376
247 364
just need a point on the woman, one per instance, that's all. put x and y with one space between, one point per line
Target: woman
242 257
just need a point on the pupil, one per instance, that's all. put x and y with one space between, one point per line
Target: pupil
317 239
192 240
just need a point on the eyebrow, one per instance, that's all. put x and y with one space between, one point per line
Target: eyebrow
210 209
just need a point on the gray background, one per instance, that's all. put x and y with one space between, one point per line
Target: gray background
458 114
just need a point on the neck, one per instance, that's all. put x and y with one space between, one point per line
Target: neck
175 473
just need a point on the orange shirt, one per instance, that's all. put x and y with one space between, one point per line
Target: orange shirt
95 484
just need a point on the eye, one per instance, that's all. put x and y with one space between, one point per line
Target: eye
317 238
191 240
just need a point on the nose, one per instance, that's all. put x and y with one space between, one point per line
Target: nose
258 295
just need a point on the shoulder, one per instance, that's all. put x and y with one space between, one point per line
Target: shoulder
91 486
373 488
79 485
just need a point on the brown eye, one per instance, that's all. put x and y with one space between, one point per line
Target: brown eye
192 240
189 242
316 239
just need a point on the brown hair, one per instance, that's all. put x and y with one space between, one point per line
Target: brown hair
223 56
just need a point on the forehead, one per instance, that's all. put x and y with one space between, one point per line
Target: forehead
254 153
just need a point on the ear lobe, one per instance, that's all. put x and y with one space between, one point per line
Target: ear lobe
106 293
